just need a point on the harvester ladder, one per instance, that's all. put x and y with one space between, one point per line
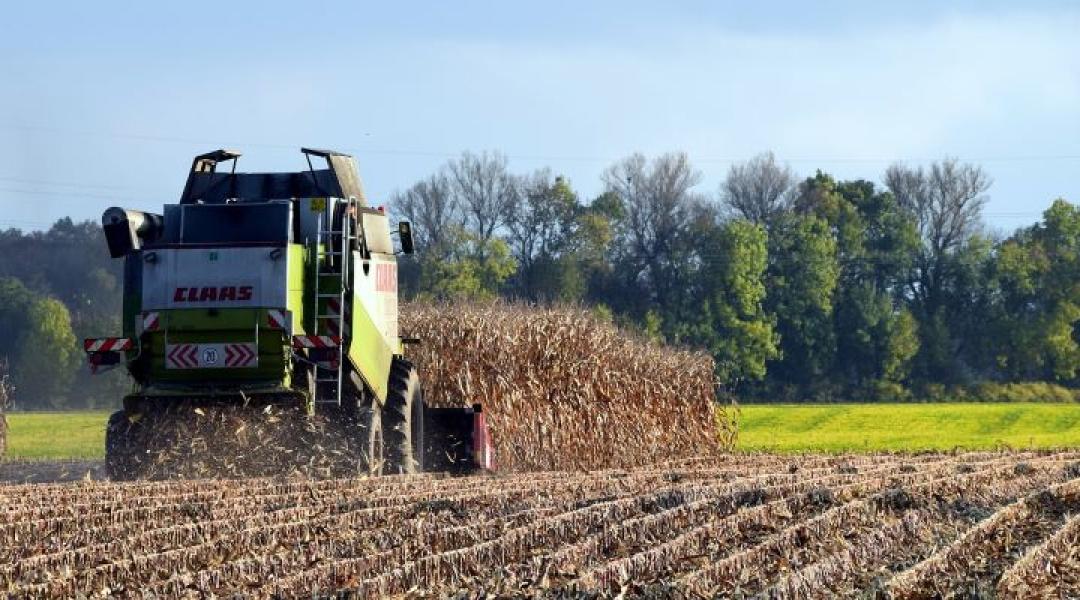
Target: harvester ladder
329 380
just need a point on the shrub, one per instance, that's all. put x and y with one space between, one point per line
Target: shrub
1037 391
889 391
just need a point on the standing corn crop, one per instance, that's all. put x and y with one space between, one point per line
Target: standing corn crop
566 390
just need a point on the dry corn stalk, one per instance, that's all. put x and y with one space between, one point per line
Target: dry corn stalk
563 389
757 525
987 545
1053 566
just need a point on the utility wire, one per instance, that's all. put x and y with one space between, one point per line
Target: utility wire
75 196
62 183
9 222
552 158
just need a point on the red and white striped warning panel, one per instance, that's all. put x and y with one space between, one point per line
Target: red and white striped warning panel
150 321
111 344
277 319
301 342
211 356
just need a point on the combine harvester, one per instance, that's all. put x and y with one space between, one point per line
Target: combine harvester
262 290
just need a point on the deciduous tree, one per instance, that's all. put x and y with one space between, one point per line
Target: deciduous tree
759 190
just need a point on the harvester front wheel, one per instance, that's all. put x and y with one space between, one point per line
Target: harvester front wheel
403 420
121 438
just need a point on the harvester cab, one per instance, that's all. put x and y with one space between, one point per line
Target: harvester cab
274 289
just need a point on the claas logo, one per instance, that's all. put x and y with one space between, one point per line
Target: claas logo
225 293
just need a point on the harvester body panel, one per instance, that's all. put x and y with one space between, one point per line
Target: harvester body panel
213 282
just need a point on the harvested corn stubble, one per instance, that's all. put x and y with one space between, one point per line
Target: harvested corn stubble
702 527
5 397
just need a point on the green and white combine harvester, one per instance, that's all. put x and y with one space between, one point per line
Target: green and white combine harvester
275 289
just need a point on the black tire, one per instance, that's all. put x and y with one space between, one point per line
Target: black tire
121 440
403 420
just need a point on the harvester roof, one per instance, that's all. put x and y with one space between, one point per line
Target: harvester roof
206 185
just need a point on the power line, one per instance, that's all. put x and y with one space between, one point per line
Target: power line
62 183
32 223
552 158
75 196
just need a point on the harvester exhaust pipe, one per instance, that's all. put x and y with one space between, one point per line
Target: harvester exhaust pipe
127 230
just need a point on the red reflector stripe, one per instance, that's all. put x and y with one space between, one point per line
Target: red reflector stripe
301 342
107 344
150 321
276 319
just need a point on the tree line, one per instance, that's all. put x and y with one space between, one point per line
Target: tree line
801 288
57 287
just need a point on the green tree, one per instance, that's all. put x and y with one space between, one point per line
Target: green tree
471 269
1037 273
542 230
953 335
38 344
729 319
46 356
1060 235
802 278
593 245
944 284
15 303
901 343
876 337
69 262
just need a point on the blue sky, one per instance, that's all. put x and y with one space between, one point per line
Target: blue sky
105 103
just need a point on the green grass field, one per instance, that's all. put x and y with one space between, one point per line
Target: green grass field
775 428
57 435
907 427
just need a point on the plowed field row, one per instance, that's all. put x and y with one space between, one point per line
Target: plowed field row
926 526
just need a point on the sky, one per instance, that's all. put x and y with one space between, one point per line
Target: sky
105 103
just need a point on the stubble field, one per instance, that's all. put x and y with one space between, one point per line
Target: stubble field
903 526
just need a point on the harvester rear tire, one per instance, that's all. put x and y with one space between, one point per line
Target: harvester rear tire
121 439
403 420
